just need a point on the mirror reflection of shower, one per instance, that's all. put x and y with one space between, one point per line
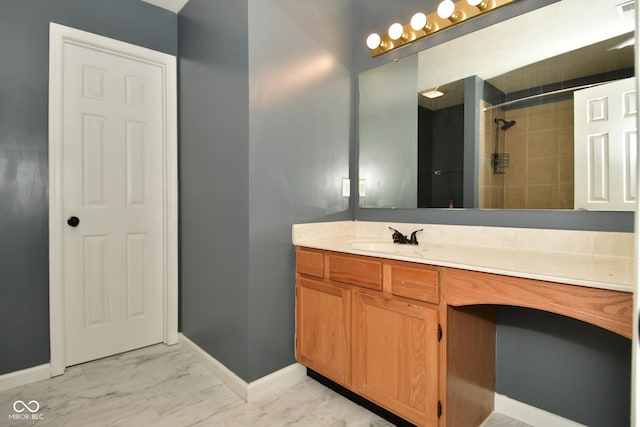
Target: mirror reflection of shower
500 161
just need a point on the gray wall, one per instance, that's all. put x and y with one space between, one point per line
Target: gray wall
300 135
387 110
567 367
560 365
265 111
24 65
214 179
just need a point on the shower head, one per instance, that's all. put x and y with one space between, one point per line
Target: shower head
505 124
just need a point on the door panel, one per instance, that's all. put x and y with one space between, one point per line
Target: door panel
135 163
113 182
94 280
606 146
136 275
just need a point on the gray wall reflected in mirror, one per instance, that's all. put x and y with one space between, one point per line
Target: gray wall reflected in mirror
535 153
440 157
388 164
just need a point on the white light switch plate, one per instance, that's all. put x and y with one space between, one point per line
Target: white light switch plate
346 187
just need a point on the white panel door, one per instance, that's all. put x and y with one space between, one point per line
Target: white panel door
605 146
113 184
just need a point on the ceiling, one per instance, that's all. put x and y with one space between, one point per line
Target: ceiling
172 5
608 56
556 43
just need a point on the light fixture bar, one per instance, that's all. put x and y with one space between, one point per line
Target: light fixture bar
464 11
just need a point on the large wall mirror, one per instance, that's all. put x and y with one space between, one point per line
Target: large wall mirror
521 120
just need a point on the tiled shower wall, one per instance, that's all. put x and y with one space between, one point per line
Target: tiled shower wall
540 146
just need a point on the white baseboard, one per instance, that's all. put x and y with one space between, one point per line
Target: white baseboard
530 414
25 376
249 392
285 377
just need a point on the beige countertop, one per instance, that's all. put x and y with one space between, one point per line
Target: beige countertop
595 259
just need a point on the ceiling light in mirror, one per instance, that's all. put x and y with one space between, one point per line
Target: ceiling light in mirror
434 93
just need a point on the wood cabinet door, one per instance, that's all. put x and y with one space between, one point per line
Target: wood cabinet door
396 356
323 329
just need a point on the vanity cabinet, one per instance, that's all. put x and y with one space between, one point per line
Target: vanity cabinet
372 326
413 328
396 356
323 319
323 338
420 340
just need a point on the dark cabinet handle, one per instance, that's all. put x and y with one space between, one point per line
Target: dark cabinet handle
73 221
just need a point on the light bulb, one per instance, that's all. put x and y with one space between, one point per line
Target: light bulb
418 21
373 41
481 4
396 31
447 10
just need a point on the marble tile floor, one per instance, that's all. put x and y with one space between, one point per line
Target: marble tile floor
166 386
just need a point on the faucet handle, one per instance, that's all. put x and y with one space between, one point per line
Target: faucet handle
398 237
413 240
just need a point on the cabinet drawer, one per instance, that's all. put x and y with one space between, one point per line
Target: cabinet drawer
359 271
310 262
419 283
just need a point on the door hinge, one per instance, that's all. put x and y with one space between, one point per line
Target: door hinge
439 332
439 409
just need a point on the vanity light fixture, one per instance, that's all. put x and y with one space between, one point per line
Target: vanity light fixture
421 25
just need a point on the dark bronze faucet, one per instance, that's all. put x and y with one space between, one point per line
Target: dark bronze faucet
402 239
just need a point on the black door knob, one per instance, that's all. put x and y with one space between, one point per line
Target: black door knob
73 221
